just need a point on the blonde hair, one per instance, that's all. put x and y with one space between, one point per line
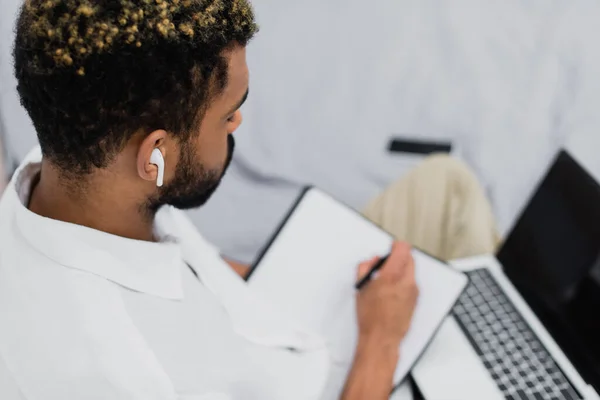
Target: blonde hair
73 30
91 73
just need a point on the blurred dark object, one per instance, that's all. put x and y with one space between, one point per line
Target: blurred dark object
398 145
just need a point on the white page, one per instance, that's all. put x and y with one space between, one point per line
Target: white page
309 271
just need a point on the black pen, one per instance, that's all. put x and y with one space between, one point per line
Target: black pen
369 276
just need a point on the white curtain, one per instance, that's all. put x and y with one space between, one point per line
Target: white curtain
508 82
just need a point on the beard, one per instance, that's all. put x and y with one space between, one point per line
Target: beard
193 184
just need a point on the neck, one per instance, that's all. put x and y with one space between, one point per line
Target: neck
101 205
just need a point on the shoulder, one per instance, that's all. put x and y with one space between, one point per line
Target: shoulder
66 334
9 390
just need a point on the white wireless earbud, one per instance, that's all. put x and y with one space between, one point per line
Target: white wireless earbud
157 159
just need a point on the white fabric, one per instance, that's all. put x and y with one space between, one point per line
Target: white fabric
88 315
3 173
509 82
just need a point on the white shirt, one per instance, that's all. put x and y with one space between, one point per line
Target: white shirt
89 315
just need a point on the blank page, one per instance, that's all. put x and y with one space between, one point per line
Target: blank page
310 268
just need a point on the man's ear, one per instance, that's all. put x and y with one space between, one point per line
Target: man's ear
147 170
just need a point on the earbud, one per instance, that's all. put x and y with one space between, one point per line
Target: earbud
157 159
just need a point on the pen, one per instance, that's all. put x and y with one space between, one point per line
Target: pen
368 277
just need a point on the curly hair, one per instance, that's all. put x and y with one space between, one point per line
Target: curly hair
93 73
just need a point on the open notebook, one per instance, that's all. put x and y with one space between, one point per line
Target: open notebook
309 270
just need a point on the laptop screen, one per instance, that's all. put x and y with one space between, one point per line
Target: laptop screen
552 256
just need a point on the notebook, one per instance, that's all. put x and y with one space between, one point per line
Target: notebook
309 270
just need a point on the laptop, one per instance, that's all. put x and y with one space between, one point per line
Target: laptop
528 324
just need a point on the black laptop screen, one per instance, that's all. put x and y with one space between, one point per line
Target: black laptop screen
552 257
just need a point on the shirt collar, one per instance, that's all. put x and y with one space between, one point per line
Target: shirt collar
152 268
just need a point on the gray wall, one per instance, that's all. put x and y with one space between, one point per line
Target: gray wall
464 66
20 136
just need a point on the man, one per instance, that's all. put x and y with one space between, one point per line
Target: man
106 290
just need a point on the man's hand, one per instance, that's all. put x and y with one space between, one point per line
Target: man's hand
239 268
385 307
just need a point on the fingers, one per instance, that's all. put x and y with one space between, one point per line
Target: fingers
399 262
399 265
365 267
409 272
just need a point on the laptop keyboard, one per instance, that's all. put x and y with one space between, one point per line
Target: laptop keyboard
509 349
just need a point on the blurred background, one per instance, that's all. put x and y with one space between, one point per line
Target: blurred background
502 84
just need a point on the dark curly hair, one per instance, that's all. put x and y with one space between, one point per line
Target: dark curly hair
92 73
